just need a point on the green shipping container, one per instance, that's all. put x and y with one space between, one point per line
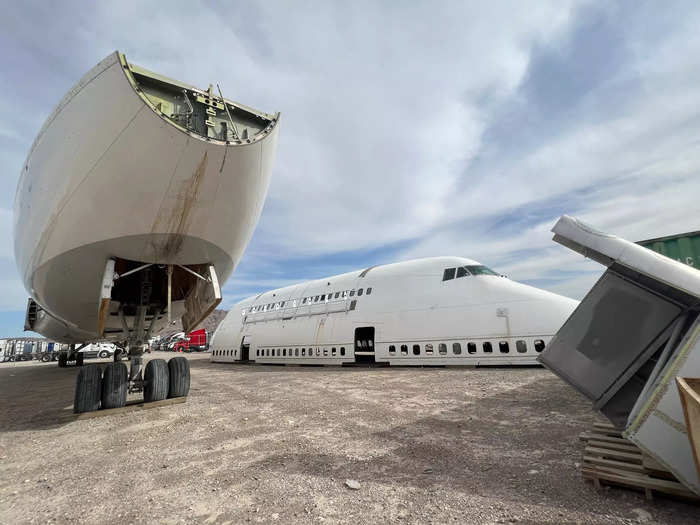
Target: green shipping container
684 247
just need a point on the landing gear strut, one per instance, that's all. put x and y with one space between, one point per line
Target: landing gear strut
97 388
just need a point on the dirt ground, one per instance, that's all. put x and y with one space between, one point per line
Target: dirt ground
268 444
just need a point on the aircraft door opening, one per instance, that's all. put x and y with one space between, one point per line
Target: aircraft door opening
245 348
364 344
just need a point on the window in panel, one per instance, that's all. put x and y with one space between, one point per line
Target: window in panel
503 347
448 274
487 347
352 293
359 292
456 348
416 349
334 351
429 349
462 272
337 294
404 349
442 349
296 352
342 350
521 346
369 290
392 349
539 345
471 348
325 352
323 297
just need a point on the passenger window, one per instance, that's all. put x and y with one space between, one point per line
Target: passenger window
429 349
325 352
503 347
487 347
323 297
448 274
442 349
456 348
337 294
461 272
352 293
296 352
342 350
303 301
521 346
369 290
404 350
284 352
416 349
316 299
392 349
333 351
353 303
359 292
471 348
539 345
318 352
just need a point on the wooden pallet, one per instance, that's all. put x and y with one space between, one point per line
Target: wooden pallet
131 406
613 460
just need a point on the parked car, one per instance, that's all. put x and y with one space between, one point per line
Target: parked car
100 350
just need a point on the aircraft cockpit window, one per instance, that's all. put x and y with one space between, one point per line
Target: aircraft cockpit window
480 270
448 274
462 272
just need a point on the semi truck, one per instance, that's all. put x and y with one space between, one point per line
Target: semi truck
195 341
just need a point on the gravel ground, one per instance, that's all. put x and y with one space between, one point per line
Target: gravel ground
267 444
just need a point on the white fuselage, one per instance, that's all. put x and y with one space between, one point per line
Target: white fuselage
111 176
411 316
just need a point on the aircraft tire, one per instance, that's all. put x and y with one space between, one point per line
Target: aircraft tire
179 377
88 389
46 358
114 385
79 359
103 354
62 360
156 380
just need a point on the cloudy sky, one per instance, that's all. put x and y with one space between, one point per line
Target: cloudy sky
408 128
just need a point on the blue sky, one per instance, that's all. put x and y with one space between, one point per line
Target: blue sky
408 129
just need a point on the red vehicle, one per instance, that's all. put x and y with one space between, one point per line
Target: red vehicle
195 341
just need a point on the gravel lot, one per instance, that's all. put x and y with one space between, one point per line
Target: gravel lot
277 444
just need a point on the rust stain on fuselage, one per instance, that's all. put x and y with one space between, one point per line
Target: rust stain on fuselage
176 220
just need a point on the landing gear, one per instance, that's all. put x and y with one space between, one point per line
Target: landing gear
97 389
79 359
62 360
114 385
88 389
156 381
179 368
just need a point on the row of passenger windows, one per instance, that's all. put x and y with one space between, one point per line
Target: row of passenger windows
486 347
322 298
464 271
300 352
225 353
